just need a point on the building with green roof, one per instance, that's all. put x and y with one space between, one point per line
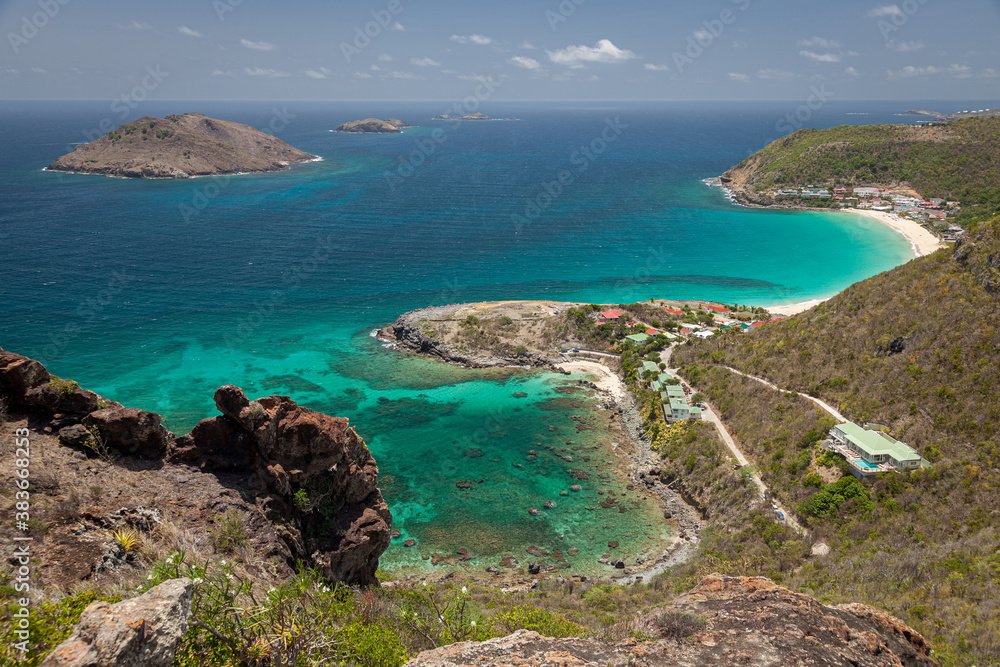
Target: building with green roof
639 338
871 451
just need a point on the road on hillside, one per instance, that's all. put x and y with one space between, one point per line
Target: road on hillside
710 415
822 404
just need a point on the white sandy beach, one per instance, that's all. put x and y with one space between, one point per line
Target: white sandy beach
606 379
921 241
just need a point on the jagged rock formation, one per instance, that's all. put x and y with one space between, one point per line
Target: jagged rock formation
144 631
305 483
178 147
373 126
312 468
723 621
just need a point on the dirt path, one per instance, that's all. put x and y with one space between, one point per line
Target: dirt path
822 404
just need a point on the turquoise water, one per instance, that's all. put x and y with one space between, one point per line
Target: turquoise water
157 292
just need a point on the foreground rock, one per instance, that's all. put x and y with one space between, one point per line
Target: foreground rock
723 621
318 480
302 485
178 147
373 126
141 632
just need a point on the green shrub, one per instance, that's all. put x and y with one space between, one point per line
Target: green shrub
50 623
230 532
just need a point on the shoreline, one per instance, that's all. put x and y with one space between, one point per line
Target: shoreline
921 241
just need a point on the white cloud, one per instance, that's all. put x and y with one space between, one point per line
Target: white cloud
404 75
911 71
739 45
819 42
850 71
960 71
9 70
821 57
384 58
885 10
603 52
184 30
655 68
313 74
269 73
397 26
904 47
362 75
526 45
424 62
376 68
525 62
257 46
737 76
134 25
703 35
482 40
781 74
39 70
219 72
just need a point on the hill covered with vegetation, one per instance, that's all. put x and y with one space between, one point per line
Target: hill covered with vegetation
918 350
957 161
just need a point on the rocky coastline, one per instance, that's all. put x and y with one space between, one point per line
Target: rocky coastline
300 485
412 332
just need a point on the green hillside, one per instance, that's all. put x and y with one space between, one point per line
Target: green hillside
917 349
956 161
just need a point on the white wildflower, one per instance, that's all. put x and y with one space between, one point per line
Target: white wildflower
326 589
223 563
473 624
229 576
198 580
464 590
149 578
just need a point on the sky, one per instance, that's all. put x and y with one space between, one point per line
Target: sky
537 50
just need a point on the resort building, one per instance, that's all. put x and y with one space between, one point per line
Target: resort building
871 451
638 339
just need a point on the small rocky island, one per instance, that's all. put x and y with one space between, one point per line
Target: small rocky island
180 146
374 126
472 116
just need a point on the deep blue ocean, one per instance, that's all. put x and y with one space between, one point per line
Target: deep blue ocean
154 293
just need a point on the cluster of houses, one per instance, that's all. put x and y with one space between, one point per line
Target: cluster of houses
934 211
723 319
675 396
870 450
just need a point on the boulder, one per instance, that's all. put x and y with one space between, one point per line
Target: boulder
141 632
318 478
76 435
19 374
723 621
130 431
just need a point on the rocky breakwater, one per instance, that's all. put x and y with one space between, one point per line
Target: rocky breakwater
723 621
317 480
303 483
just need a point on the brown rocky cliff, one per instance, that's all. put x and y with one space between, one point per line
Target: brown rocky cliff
305 482
179 147
723 621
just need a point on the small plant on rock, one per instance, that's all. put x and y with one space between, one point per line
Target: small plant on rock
128 538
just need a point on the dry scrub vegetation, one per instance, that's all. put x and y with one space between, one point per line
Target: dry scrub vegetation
917 349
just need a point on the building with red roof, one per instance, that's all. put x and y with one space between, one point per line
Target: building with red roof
717 308
612 314
674 311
